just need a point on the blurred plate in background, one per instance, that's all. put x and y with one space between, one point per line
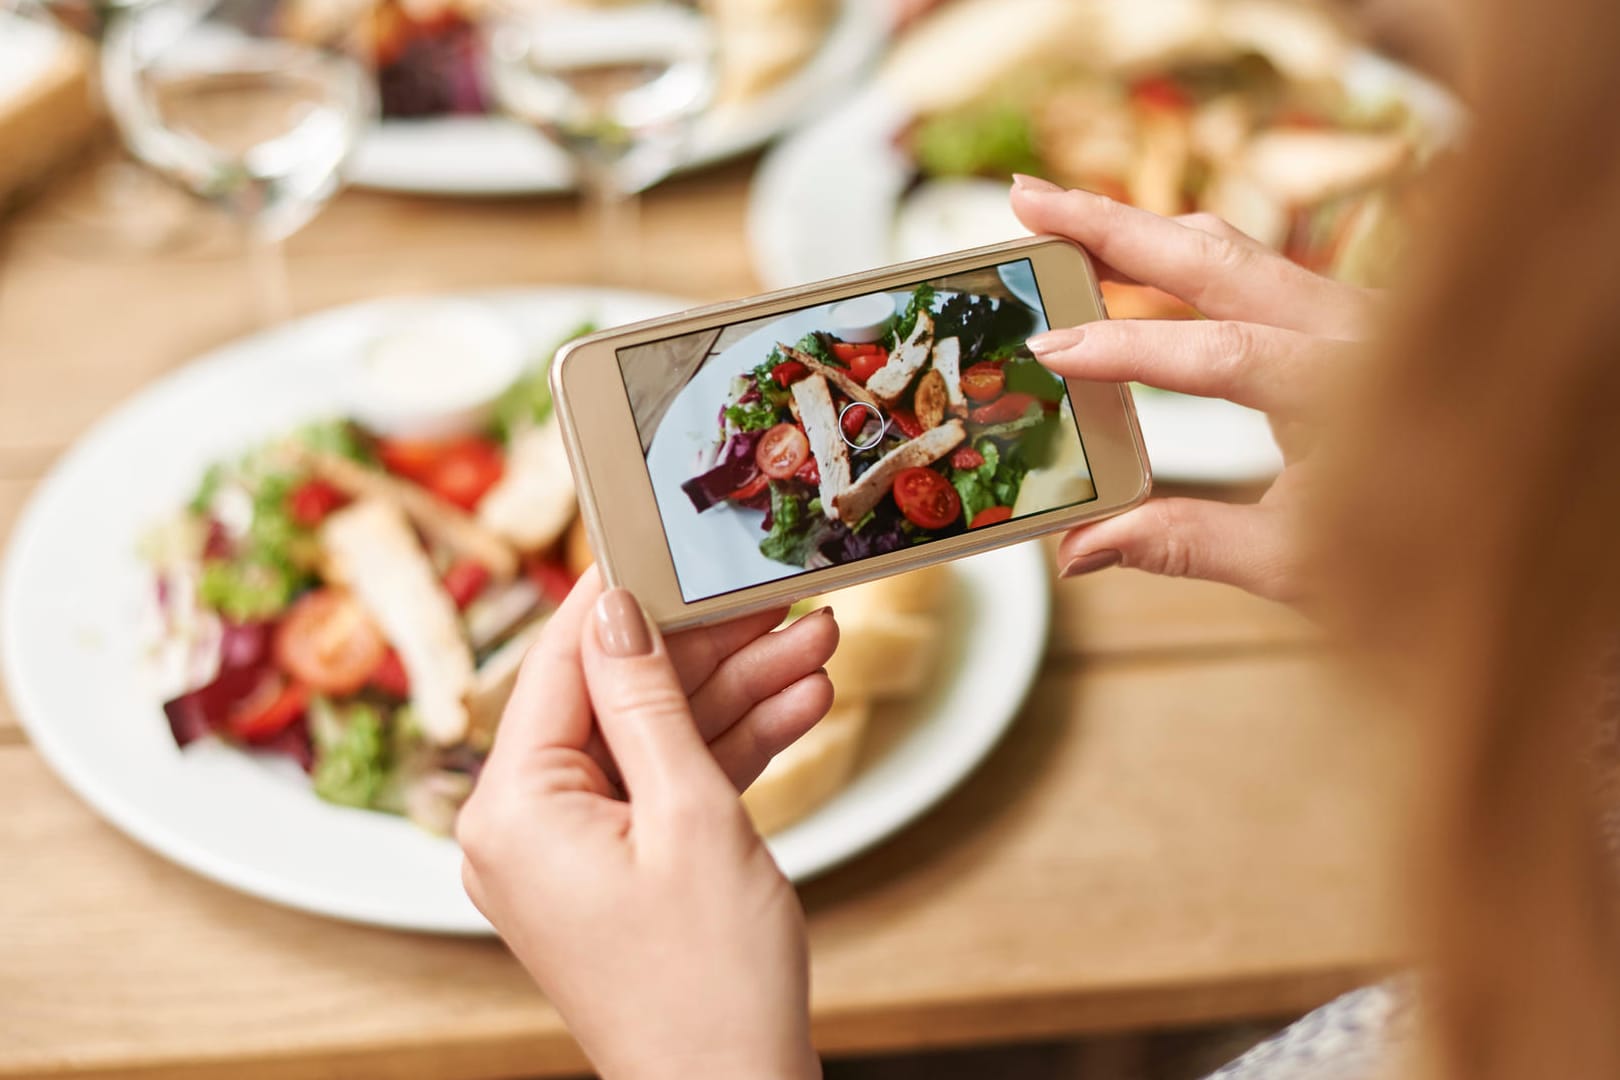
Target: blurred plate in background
75 596
494 155
840 196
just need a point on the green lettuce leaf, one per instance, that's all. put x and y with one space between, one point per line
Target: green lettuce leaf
351 752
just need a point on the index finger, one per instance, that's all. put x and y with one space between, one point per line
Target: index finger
1219 277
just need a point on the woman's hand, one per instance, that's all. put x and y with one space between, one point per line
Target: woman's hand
1274 338
606 844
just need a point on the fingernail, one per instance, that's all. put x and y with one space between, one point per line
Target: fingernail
621 626
1047 342
1034 184
826 610
1091 563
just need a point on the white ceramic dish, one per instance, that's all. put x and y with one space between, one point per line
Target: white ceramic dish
814 214
73 593
492 155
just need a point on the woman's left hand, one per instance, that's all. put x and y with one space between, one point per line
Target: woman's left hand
606 844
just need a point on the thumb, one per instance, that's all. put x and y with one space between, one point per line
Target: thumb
642 710
1246 546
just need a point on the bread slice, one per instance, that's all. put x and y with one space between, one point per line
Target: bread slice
808 773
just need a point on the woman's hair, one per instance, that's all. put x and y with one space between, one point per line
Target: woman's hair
1471 517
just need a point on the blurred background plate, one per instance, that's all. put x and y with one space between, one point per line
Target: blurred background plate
811 215
493 155
75 592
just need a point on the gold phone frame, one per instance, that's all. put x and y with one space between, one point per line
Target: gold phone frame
615 488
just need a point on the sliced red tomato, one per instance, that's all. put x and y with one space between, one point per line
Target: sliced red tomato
270 709
328 642
853 422
311 502
1159 92
1005 408
847 351
907 422
965 457
554 580
410 458
459 471
466 473
782 451
984 381
750 489
992 515
464 580
390 677
788 372
809 472
926 498
867 364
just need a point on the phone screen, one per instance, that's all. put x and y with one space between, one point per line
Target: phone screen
850 429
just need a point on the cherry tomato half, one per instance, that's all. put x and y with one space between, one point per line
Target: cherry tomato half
328 642
310 502
466 473
460 471
965 457
750 489
554 580
788 372
1159 92
390 677
907 422
865 365
926 498
984 381
464 580
847 351
269 710
1005 408
992 515
782 451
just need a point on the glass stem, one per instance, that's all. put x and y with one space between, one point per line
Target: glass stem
267 277
616 213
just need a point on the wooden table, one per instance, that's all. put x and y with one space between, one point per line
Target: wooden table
1179 829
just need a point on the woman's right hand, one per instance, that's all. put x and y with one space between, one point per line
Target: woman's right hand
1275 338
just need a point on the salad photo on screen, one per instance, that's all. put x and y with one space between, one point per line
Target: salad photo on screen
859 428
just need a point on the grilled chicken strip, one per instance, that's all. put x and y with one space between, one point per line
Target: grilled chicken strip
533 503
815 405
839 378
948 362
875 483
930 400
908 357
447 524
373 550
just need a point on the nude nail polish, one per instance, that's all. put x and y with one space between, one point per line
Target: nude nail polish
621 626
1035 184
1091 562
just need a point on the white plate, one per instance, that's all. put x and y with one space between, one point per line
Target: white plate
825 202
73 595
492 155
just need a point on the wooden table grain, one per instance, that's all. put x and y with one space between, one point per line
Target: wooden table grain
1181 827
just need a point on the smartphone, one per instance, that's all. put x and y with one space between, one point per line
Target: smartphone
743 456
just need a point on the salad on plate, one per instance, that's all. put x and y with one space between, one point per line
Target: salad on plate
356 595
853 448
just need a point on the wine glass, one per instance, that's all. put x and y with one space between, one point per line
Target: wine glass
124 210
215 98
617 84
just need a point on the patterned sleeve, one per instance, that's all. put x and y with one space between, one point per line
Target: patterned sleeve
1346 1039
